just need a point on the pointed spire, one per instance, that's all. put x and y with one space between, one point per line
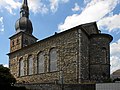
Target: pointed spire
24 9
25 2
23 23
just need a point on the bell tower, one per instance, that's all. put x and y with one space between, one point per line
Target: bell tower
23 36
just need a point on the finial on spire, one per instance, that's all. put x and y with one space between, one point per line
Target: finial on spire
25 2
24 9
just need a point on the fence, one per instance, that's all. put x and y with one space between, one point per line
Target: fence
108 86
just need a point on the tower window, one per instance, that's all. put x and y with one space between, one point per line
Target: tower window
53 60
13 43
26 42
17 41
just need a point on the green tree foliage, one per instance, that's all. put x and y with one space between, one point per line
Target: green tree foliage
7 80
117 79
6 77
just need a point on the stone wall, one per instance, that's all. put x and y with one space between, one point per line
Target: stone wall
15 42
58 86
67 48
21 40
83 56
100 57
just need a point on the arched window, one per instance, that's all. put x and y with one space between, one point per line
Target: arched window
13 43
53 60
30 65
21 67
41 60
104 54
17 41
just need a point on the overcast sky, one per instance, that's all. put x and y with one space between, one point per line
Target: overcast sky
50 16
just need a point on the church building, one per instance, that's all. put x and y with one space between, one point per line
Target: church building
78 55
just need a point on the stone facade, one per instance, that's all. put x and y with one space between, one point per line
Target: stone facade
83 56
21 40
78 55
52 86
100 57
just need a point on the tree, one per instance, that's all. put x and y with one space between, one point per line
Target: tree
6 78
